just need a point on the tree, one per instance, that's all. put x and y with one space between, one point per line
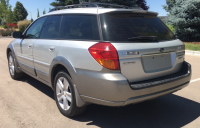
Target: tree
38 13
170 5
32 20
131 3
10 16
4 5
185 18
142 4
64 2
20 13
44 12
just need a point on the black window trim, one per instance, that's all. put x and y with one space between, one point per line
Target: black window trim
24 33
43 27
77 14
98 24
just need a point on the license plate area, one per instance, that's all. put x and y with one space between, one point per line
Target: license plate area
157 62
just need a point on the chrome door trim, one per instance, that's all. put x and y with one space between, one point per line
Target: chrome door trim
42 63
26 58
158 53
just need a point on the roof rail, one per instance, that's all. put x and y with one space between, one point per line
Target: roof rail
91 4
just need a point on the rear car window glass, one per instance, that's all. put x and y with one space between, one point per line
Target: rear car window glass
121 27
79 27
35 29
51 28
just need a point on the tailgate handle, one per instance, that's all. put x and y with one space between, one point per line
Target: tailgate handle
51 49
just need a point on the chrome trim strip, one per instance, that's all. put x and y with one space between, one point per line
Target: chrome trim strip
29 59
26 65
158 53
42 63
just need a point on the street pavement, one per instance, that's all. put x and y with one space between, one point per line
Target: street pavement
28 103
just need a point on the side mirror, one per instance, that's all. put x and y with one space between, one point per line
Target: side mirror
17 35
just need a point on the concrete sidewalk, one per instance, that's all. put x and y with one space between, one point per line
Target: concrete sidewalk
192 52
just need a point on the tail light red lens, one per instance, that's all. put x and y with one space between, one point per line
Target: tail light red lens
105 54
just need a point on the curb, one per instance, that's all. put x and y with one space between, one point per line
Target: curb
189 52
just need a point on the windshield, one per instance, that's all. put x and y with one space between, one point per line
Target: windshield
122 27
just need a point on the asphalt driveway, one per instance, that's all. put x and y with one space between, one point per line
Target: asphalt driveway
29 103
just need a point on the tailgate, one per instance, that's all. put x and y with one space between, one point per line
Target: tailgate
144 61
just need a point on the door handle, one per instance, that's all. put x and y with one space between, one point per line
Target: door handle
30 46
51 49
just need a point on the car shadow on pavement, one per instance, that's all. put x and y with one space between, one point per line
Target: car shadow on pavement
170 111
38 85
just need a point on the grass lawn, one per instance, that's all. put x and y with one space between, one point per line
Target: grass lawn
191 46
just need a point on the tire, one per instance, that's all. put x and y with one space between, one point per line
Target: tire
63 93
12 68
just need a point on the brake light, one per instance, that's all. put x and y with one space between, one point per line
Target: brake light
105 54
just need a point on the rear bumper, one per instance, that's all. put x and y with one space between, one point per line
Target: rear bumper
154 95
184 72
118 92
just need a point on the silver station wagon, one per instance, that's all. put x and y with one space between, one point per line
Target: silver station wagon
103 54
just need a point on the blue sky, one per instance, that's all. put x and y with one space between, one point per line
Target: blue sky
32 5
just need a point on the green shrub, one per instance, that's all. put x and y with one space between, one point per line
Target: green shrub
5 26
6 32
22 25
184 15
171 28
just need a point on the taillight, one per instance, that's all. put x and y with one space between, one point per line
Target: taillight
105 54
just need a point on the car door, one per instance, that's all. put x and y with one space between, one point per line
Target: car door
45 47
26 44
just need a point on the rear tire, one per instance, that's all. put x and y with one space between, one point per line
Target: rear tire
12 67
64 95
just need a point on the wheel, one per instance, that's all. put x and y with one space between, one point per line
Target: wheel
64 95
12 68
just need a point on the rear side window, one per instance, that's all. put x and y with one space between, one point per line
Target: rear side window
79 27
34 31
51 27
122 27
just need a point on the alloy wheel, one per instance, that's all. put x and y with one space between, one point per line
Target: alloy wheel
11 65
63 93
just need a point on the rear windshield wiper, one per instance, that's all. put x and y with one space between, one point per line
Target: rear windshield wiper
144 38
